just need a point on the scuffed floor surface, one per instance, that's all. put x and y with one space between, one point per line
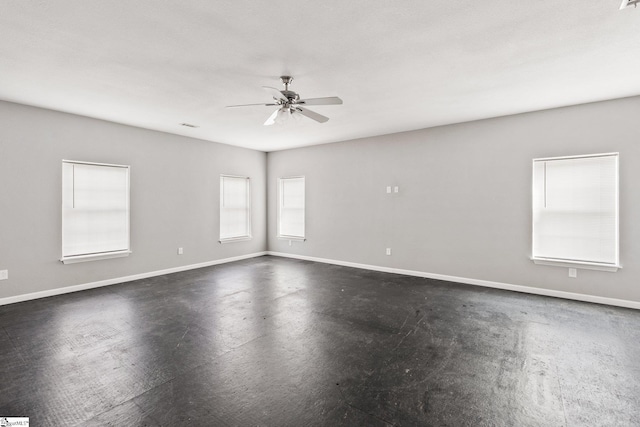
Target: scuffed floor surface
280 342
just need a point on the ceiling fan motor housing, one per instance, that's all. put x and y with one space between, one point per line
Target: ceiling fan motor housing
290 95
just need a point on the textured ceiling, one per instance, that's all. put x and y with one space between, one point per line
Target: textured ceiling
398 65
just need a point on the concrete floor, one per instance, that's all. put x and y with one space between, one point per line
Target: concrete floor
280 342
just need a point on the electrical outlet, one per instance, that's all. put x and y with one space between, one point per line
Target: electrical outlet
180 251
388 251
4 274
388 189
573 272
395 189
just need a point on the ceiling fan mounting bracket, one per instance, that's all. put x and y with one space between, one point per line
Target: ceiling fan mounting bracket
286 81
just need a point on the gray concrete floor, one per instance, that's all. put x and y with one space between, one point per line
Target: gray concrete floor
280 342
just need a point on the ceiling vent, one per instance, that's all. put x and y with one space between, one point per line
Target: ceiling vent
629 3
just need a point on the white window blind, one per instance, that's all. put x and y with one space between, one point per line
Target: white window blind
291 208
575 209
95 211
235 217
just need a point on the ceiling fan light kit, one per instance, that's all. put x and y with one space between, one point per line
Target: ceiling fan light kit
290 105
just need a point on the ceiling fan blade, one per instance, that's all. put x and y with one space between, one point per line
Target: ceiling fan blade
272 118
248 105
330 100
312 115
275 93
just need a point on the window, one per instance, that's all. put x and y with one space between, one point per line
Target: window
575 211
291 208
235 211
95 211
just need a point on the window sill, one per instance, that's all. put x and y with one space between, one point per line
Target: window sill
94 257
293 238
577 264
235 239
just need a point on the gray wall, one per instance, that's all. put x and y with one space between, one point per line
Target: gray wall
174 197
463 208
464 204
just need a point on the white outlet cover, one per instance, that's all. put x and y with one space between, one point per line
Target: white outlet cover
4 274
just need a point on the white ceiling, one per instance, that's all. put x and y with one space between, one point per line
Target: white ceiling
398 65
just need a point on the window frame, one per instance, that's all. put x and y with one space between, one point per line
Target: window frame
94 256
248 235
281 182
573 263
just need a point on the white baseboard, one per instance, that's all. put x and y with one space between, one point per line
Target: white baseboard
92 285
465 280
486 283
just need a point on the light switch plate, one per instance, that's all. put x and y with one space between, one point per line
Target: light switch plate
4 274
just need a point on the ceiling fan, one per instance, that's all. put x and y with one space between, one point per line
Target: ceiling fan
290 105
